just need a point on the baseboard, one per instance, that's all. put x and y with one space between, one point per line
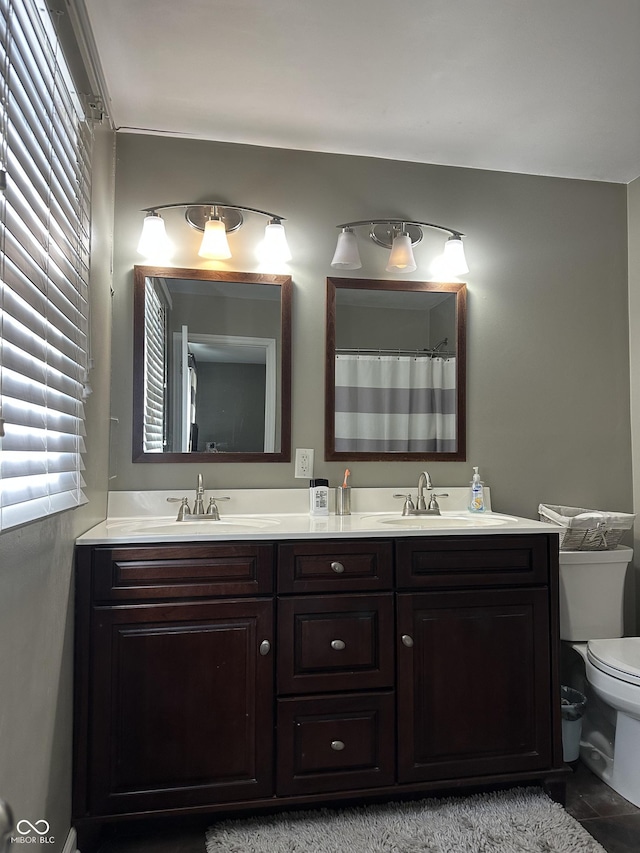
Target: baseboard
71 844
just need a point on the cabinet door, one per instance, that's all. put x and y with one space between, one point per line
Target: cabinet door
474 685
181 705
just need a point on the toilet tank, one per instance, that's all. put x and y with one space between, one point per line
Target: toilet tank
592 593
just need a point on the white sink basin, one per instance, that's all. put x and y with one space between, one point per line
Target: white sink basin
428 521
201 526
432 522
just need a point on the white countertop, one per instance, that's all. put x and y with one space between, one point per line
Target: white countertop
142 517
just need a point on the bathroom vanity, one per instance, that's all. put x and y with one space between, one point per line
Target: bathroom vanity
287 667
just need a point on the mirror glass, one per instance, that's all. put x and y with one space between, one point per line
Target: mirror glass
395 370
212 366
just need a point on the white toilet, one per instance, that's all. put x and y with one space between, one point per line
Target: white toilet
591 620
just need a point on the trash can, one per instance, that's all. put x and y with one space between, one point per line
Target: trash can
573 704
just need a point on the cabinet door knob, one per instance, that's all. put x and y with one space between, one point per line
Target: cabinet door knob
338 745
338 645
338 568
407 640
265 647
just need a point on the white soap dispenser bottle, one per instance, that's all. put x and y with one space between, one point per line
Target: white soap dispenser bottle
476 494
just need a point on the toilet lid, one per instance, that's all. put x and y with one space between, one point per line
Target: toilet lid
617 657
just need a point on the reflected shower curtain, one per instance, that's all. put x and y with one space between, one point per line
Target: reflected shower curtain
387 403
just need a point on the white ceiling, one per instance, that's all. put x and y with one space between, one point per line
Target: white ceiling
546 87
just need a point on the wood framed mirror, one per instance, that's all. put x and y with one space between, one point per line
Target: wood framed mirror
212 366
395 376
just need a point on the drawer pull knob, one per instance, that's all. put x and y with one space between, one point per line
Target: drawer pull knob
407 640
338 568
265 647
338 645
338 745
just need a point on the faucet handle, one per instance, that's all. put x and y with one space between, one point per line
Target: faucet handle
184 507
409 506
433 503
178 501
212 509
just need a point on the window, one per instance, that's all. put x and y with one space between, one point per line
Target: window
44 263
155 358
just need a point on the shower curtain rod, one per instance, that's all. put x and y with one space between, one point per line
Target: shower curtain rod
426 353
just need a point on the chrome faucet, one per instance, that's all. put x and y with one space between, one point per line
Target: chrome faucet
421 507
211 513
198 504
424 482
198 513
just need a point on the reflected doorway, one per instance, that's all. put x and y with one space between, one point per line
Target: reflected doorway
226 393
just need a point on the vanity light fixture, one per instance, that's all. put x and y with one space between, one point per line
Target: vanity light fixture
215 220
399 235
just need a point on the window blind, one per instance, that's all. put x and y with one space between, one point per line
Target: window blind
44 270
154 369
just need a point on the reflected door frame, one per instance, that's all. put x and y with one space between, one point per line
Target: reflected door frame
179 403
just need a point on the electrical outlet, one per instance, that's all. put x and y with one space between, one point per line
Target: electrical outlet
304 463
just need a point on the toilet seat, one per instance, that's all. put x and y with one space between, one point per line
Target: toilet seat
618 657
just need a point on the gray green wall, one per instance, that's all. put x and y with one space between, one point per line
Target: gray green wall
36 580
548 348
548 373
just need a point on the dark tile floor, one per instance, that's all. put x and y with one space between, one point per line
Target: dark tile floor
611 819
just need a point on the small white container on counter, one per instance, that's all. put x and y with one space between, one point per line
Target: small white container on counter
318 497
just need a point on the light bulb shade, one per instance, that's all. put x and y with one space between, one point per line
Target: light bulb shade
214 241
274 248
154 242
453 257
401 258
346 256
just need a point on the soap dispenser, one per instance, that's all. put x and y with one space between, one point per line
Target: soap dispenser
476 493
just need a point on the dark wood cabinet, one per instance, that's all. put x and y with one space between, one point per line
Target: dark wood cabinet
217 677
174 677
336 636
473 683
182 705
477 681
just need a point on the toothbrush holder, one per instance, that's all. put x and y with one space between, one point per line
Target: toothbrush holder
343 500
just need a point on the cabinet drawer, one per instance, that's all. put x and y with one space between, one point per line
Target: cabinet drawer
188 571
335 566
327 643
335 743
472 561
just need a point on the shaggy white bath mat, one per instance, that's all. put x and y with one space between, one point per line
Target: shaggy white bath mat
521 820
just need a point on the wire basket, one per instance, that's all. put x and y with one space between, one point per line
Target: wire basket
587 529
